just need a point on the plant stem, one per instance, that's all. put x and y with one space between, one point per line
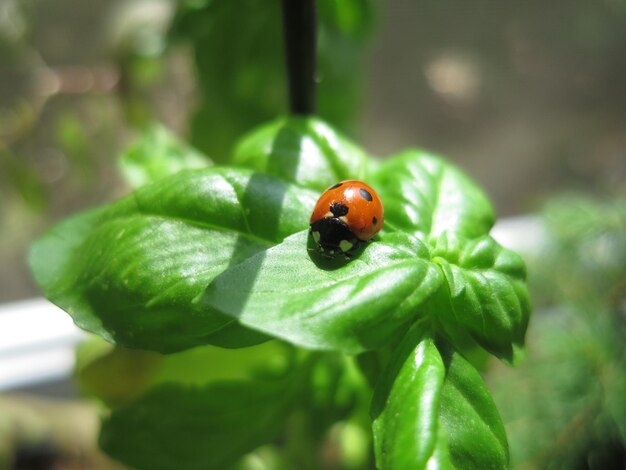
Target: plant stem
300 36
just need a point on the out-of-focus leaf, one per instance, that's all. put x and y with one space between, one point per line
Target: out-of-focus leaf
246 86
293 294
344 28
301 150
564 405
131 272
21 176
73 138
117 375
211 427
587 241
157 154
615 399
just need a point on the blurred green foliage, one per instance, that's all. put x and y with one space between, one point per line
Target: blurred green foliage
239 59
565 407
158 153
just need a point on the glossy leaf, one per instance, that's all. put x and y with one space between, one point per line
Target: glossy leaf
426 196
301 150
474 431
211 427
486 292
431 409
157 154
131 272
406 405
50 254
292 293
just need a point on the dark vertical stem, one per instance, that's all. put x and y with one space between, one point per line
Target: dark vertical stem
300 34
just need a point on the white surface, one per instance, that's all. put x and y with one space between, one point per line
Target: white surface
37 342
37 339
525 234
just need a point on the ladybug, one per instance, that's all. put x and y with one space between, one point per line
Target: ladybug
346 215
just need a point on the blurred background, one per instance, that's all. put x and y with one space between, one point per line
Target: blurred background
529 98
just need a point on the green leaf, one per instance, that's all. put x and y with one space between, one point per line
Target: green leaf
211 427
486 293
344 28
21 176
291 293
131 272
615 399
50 254
205 364
431 409
426 196
405 407
118 375
473 427
158 154
115 375
301 150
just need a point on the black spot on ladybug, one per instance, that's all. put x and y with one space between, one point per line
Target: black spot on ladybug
365 194
335 186
374 220
338 209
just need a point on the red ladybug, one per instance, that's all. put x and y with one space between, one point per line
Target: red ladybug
346 215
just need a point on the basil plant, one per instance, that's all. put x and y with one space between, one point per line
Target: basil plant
222 341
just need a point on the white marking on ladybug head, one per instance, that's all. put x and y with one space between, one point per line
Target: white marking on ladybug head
344 219
345 245
316 237
329 215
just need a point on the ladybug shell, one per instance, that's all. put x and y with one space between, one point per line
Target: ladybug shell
354 203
